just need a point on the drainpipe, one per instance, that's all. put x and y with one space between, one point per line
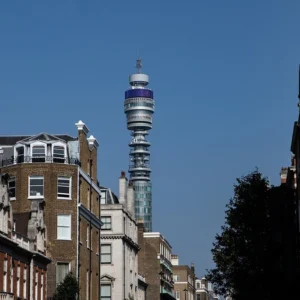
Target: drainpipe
99 249
78 229
31 277
124 260
90 231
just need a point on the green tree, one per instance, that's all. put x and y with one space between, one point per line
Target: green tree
239 252
68 289
257 247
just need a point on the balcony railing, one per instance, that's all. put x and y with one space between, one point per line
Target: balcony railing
38 159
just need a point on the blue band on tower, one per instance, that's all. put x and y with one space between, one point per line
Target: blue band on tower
145 93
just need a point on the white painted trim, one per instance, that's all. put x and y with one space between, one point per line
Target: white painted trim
39 196
63 239
15 150
77 224
12 178
70 187
37 143
59 144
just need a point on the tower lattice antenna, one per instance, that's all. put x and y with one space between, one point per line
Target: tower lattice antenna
139 65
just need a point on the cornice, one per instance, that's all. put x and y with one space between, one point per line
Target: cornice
124 237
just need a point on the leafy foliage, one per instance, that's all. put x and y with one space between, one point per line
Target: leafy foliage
258 244
68 289
239 251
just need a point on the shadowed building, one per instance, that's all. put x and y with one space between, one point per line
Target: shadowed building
23 256
154 261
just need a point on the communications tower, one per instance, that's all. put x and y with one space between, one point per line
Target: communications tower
139 107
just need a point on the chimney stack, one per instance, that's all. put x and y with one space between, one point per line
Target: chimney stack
130 199
123 188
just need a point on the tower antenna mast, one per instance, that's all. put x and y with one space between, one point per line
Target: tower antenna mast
139 65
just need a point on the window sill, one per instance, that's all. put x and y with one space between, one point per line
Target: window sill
61 239
12 199
35 197
63 198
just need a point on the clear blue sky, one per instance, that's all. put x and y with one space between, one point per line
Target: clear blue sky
224 73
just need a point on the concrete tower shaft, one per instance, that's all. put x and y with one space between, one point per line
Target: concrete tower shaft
139 108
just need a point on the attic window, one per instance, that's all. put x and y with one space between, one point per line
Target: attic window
20 154
59 154
38 153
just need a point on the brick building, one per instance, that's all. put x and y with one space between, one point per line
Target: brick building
154 263
60 171
23 261
184 280
119 248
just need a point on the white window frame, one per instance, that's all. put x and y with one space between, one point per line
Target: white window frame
5 275
16 153
103 199
57 226
59 144
102 228
111 250
57 263
38 144
106 297
11 179
87 283
38 196
88 229
70 188
25 283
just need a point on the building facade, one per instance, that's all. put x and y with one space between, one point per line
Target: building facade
60 171
139 107
184 280
23 260
119 247
204 290
154 261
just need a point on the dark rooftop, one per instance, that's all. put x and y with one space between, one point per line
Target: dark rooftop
13 139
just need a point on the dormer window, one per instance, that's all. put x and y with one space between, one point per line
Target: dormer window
59 154
20 154
38 153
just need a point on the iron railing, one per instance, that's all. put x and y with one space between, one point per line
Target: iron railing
39 159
